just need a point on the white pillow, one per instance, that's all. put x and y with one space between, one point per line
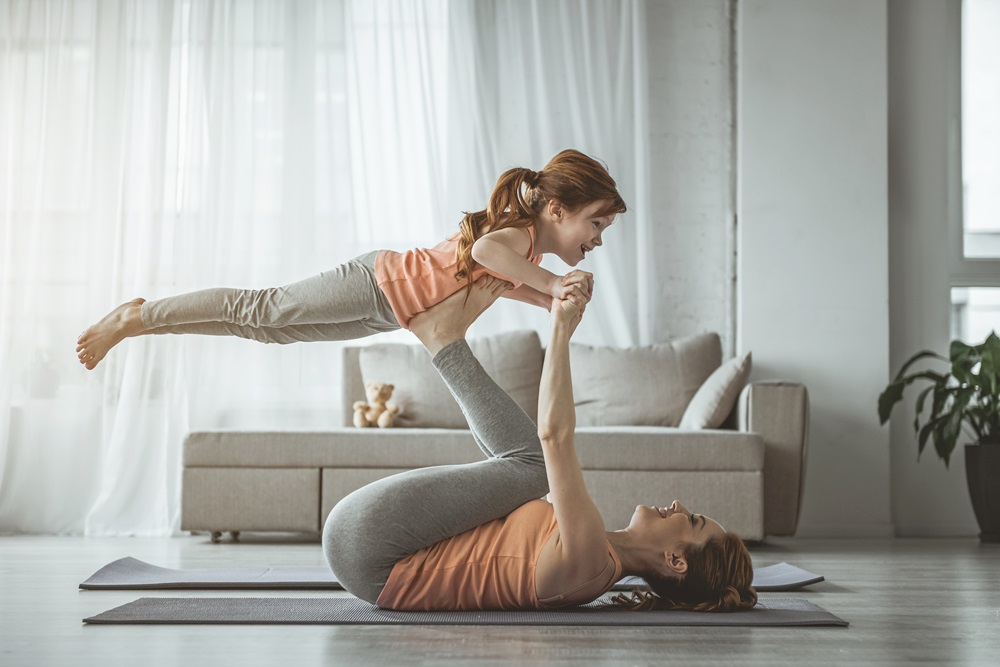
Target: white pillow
513 360
716 398
641 386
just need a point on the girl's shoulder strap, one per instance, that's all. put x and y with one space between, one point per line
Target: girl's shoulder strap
531 238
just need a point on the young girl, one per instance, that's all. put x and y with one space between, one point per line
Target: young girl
563 209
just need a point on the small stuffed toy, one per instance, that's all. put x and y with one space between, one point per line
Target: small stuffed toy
376 411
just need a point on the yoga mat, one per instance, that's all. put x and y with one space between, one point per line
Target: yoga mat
133 574
353 611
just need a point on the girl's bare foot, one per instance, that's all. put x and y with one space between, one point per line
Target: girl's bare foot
116 326
449 320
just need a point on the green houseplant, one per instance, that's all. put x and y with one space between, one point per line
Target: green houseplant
963 397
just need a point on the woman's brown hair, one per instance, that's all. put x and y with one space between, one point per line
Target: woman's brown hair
719 577
570 178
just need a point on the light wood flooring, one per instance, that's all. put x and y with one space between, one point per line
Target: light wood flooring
908 601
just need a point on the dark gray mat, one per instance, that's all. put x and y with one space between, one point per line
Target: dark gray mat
133 574
352 611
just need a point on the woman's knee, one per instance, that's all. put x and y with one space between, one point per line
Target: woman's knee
351 553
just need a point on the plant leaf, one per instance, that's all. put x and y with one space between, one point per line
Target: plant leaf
917 357
962 367
894 392
920 406
925 433
959 350
989 367
887 399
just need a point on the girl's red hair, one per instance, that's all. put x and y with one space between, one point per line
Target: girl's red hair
570 178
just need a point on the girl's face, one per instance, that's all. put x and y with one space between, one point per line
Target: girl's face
578 233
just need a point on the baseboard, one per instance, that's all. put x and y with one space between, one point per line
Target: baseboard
949 529
846 530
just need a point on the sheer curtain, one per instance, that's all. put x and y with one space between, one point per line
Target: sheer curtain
531 78
149 148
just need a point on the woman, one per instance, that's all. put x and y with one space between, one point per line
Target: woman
477 536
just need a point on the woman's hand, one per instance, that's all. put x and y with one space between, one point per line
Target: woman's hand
569 311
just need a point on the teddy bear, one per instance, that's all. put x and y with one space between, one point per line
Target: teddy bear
376 411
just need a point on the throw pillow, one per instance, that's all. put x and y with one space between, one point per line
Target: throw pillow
513 360
716 398
641 386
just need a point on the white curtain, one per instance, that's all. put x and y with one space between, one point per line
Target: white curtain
149 148
532 77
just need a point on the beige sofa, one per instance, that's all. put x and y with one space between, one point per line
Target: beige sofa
641 438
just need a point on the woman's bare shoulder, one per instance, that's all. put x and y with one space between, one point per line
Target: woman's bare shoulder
560 581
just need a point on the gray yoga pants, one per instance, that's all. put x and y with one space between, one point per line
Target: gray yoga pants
342 304
375 527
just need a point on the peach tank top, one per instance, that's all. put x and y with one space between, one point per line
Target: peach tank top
415 280
491 566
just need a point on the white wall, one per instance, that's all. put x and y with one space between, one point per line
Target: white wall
812 236
924 69
691 124
847 151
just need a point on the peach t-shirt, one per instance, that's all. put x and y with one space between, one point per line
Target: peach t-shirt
491 566
415 280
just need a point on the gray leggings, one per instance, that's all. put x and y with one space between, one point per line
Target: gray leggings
342 304
375 527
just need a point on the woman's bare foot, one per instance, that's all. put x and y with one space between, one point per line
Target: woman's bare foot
448 321
116 326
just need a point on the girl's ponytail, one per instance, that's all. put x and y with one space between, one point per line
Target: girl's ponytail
510 205
570 178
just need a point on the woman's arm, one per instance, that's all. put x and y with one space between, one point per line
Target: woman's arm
582 550
503 252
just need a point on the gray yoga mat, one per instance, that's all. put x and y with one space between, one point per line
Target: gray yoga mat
133 574
352 611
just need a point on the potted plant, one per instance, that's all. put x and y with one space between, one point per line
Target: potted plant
966 396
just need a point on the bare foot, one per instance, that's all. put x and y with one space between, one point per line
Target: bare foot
116 326
448 321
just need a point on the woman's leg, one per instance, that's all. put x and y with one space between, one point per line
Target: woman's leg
341 304
370 530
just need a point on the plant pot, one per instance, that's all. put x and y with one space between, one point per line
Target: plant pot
982 472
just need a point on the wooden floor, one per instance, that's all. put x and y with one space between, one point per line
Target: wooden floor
908 601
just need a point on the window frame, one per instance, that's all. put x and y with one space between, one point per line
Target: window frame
963 272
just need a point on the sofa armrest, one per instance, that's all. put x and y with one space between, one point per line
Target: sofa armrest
352 386
778 412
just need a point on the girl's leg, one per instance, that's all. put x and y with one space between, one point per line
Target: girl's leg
347 296
296 333
348 293
370 530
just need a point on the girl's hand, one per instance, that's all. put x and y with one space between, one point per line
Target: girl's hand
583 279
569 311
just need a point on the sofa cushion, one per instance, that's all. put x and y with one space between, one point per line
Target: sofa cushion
656 448
641 386
717 396
600 448
513 360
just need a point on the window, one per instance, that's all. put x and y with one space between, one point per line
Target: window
975 265
980 128
975 311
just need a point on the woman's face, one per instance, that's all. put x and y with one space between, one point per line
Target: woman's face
666 527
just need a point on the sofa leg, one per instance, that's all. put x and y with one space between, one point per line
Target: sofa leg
235 534
216 536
